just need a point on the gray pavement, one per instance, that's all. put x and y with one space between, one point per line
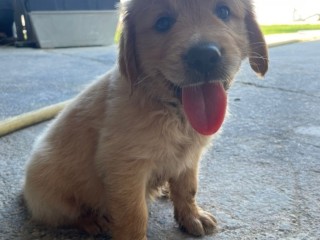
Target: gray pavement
261 179
33 78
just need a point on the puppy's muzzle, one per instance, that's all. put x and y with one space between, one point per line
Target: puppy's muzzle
203 59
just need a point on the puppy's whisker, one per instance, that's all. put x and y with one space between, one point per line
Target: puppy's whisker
256 55
140 80
257 43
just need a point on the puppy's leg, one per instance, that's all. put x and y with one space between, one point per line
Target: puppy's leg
126 204
129 216
49 208
190 217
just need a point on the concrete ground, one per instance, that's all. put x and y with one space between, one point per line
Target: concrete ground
261 179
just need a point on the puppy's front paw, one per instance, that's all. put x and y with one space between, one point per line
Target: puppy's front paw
93 225
197 223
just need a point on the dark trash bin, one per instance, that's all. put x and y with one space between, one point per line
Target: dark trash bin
6 18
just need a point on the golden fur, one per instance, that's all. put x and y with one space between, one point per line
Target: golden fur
126 135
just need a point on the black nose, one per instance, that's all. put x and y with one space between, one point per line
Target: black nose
203 57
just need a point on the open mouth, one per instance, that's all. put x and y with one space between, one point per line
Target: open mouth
205 106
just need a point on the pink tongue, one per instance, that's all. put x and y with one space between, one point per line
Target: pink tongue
205 106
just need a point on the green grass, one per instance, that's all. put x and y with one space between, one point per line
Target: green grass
117 35
274 29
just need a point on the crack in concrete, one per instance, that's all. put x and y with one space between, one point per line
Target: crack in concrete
77 56
310 144
231 228
297 198
313 145
279 89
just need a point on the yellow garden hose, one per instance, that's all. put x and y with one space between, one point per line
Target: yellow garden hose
27 119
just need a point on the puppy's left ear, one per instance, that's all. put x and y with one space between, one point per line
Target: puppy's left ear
127 58
258 52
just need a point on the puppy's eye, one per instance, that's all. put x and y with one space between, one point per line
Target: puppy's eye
164 24
223 12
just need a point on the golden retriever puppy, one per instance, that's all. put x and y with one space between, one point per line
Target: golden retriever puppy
147 122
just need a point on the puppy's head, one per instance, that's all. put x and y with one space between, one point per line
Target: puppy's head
185 43
190 41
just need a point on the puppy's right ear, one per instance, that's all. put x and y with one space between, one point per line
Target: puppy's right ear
127 50
258 52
